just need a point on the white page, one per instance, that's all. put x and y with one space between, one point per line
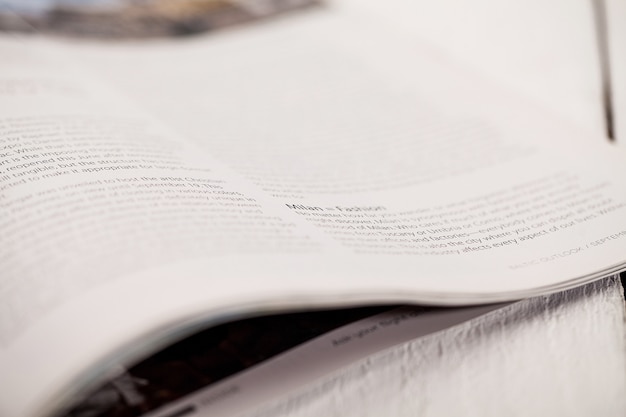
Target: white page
285 105
92 189
159 287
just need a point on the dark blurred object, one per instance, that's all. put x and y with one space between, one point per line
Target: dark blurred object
117 19
208 357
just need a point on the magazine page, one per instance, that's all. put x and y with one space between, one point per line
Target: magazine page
332 117
327 178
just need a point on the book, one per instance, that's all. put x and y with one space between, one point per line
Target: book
311 163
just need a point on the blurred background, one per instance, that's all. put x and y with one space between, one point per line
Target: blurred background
137 18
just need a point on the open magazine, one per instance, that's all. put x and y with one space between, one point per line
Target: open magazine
312 163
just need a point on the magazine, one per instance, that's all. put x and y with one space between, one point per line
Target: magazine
307 164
